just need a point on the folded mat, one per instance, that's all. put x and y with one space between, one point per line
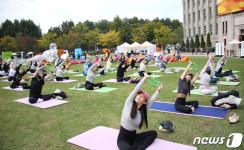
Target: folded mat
64 81
104 138
81 75
45 104
155 76
203 111
100 90
115 81
158 71
197 92
15 89
222 83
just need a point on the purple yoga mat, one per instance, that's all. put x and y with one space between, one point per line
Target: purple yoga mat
64 81
3 77
45 104
115 81
15 89
104 138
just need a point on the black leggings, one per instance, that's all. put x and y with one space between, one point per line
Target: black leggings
129 140
62 78
180 105
220 74
10 78
32 71
46 97
123 79
90 86
141 73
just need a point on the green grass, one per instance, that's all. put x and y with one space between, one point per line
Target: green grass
26 127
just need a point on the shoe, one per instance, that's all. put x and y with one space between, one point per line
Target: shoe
233 118
225 106
39 100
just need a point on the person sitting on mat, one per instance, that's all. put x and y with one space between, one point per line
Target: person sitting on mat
135 115
143 67
120 72
205 79
164 64
17 78
60 70
133 62
99 65
109 64
33 66
91 74
87 65
184 84
37 83
12 71
218 69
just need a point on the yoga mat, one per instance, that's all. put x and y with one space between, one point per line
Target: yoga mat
64 81
15 89
196 92
71 72
182 68
100 90
222 83
232 71
11 81
81 75
158 71
115 81
3 77
45 104
155 76
110 72
202 111
153 65
104 138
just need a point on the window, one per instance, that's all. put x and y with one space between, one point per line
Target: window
193 2
189 3
216 10
199 2
189 18
211 29
205 30
199 31
184 19
189 32
194 31
217 29
210 12
226 27
199 15
204 13
204 1
223 26
194 16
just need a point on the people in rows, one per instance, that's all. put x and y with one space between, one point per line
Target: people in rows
184 85
143 67
134 115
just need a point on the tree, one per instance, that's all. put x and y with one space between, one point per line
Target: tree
202 42
45 41
164 35
109 39
91 38
148 28
27 43
192 43
138 35
187 43
175 24
197 42
183 44
8 43
66 26
178 35
103 25
125 34
56 30
116 24
89 24
8 28
79 28
208 41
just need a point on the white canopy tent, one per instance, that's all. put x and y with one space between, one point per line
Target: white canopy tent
146 47
121 48
235 41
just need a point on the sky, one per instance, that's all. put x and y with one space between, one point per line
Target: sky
51 13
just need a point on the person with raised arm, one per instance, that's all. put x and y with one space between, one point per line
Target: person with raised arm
134 115
143 67
184 84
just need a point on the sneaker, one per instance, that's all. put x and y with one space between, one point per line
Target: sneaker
225 106
39 100
233 118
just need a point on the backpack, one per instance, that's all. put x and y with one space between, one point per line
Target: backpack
58 94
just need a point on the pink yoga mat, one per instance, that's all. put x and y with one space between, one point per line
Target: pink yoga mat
64 81
16 89
104 138
115 81
11 81
45 104
3 77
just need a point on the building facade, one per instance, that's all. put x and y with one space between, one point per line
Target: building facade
201 17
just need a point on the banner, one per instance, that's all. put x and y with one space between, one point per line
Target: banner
217 49
222 48
7 55
78 51
242 48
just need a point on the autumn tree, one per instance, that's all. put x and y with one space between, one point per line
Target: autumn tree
8 43
27 44
45 41
109 39
164 35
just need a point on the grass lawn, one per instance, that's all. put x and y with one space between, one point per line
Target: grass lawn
27 127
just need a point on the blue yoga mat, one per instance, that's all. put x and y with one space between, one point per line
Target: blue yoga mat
203 111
